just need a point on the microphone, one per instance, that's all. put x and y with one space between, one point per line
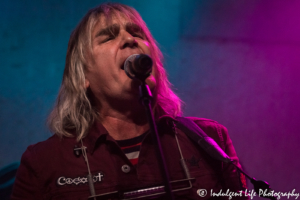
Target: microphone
138 66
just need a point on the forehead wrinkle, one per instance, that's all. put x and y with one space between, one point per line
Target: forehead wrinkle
111 29
106 22
112 22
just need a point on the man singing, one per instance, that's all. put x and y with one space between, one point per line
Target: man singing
102 142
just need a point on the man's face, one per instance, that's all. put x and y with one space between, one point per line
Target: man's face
111 45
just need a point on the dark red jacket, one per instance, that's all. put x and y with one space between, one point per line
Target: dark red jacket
50 170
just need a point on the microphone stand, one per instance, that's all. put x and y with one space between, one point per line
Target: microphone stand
145 98
258 185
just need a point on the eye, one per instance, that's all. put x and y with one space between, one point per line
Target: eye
137 34
108 38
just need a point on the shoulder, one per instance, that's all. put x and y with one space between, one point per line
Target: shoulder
47 150
45 154
208 124
212 128
45 145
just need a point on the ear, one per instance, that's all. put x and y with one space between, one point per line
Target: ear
87 83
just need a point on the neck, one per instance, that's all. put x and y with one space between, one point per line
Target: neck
124 123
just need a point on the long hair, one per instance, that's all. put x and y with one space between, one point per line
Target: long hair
74 111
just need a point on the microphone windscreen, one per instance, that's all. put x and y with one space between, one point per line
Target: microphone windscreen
138 66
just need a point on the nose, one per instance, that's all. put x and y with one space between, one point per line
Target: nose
128 40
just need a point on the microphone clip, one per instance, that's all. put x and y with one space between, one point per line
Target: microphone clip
77 151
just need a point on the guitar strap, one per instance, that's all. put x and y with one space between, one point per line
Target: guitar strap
196 134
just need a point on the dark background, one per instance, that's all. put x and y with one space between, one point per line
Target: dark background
234 61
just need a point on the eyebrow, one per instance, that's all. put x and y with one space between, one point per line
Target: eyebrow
114 28
133 26
108 30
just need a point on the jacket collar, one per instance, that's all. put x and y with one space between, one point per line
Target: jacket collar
98 134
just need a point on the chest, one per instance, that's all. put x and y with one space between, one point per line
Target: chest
112 171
